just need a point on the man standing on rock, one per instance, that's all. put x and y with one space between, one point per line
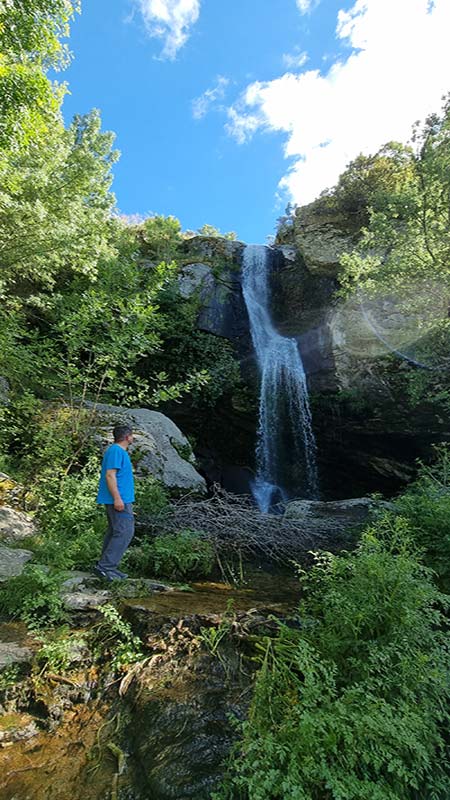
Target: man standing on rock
116 493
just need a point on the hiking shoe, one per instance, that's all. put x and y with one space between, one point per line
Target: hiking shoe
117 573
101 573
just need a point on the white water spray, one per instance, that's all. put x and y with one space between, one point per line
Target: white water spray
286 449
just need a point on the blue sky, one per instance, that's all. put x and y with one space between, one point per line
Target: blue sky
279 76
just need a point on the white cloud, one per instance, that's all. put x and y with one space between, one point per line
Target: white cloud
171 21
304 5
396 73
295 60
201 105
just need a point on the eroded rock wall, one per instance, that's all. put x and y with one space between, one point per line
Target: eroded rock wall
369 433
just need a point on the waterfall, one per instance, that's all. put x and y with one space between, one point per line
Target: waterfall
286 449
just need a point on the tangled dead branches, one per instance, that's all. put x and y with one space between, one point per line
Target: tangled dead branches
233 524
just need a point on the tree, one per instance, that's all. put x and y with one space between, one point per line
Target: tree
30 43
400 271
407 239
161 237
55 207
210 230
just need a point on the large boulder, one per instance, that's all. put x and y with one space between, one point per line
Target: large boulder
330 520
162 450
12 561
15 525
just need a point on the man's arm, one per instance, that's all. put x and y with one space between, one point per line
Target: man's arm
111 482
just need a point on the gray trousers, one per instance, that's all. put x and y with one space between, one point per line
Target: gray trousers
118 536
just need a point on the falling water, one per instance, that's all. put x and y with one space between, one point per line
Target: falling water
285 450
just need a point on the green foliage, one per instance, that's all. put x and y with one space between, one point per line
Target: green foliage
71 524
46 441
53 451
161 237
9 677
176 556
212 637
209 360
370 182
113 640
183 554
56 651
353 705
210 230
30 43
408 226
55 207
34 596
151 496
34 29
426 506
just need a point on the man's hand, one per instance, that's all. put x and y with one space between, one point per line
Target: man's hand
111 482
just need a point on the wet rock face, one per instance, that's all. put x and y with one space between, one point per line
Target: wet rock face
301 303
215 277
369 436
185 733
182 699
222 311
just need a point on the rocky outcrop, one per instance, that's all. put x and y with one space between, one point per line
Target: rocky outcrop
222 308
13 653
15 526
214 275
194 277
183 696
83 592
332 520
160 448
12 561
321 237
369 433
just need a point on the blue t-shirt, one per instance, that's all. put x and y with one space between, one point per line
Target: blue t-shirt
116 458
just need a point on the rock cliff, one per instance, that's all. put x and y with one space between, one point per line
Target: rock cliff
368 431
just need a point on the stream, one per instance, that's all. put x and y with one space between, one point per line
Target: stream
164 733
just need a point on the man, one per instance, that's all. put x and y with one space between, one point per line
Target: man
116 493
